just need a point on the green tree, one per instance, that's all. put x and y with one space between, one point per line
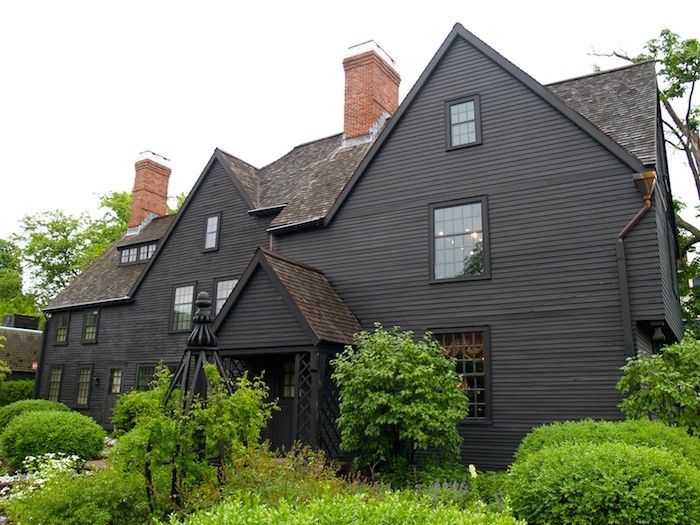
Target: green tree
177 200
397 396
12 297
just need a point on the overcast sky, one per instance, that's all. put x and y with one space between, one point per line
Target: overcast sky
85 86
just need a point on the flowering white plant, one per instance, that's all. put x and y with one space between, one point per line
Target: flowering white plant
36 472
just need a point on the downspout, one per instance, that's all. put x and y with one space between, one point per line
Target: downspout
646 182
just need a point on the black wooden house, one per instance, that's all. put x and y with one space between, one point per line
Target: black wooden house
529 227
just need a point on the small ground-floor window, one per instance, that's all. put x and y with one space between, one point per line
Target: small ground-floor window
84 379
55 383
115 381
144 376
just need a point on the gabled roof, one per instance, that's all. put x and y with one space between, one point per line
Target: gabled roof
324 315
22 348
153 231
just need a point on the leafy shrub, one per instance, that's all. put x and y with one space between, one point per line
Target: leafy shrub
398 396
400 474
11 391
36 433
612 483
665 386
392 507
133 405
102 498
9 412
634 432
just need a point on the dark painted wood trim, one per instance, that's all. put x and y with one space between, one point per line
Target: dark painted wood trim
448 121
262 351
42 358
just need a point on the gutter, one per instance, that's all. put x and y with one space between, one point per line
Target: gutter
646 183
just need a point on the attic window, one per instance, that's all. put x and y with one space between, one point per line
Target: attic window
463 122
129 255
146 251
211 233
135 254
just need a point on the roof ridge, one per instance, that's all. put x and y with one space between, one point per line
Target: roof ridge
283 258
237 158
596 73
299 146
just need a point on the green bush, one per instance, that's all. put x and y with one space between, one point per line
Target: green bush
36 433
611 483
398 396
634 432
131 406
665 386
11 391
9 412
394 508
102 498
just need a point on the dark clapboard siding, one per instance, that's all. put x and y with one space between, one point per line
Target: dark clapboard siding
557 201
138 333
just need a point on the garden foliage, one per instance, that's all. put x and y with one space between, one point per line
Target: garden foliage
15 390
9 412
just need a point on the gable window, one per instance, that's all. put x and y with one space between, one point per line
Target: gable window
470 352
211 233
463 122
84 380
183 298
61 333
146 251
224 287
55 383
91 319
459 241
144 376
115 380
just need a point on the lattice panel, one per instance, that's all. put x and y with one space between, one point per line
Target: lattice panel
235 368
329 408
304 423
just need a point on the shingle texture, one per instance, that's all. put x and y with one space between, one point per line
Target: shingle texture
621 102
323 310
152 232
21 348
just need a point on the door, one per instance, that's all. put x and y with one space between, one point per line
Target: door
281 427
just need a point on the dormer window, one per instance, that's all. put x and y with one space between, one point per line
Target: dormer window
146 251
129 255
134 254
463 122
211 233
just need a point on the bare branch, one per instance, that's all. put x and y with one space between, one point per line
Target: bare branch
676 120
690 102
694 232
673 144
616 54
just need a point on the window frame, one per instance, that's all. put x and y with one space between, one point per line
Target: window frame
448 121
486 239
83 340
171 326
138 247
89 385
121 380
56 317
218 232
216 291
488 385
60 383
138 372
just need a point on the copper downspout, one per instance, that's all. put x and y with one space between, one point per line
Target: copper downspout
646 183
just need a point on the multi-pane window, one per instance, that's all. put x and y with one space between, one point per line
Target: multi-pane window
469 350
223 290
464 122
55 383
129 255
144 376
211 235
182 307
287 379
458 241
90 322
84 379
115 381
146 251
61 334
137 253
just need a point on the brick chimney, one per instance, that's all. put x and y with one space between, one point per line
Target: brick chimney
150 193
371 88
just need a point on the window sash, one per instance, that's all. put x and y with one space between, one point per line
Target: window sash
223 291
62 322
458 241
55 383
144 376
84 380
90 322
115 381
183 302
211 235
288 383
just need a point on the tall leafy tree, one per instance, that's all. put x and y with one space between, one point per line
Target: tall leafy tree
12 297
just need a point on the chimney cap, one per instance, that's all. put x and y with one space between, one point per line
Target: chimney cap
371 45
150 155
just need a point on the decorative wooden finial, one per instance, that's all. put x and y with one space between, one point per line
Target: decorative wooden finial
202 335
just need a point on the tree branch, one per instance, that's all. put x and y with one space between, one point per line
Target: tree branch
676 120
615 54
694 234
690 102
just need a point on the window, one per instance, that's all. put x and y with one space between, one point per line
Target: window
182 308
90 321
129 255
464 126
115 380
459 241
287 379
55 383
211 233
146 251
61 334
84 379
224 288
144 376
137 253
469 349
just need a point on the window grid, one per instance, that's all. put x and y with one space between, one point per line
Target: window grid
115 381
182 307
287 379
84 377
212 232
55 383
144 377
458 241
223 290
469 351
90 326
62 328
463 123
137 253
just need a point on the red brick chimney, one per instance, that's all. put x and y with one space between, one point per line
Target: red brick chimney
150 193
371 88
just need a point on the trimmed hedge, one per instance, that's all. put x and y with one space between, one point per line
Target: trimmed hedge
9 412
611 483
640 432
35 433
394 507
11 391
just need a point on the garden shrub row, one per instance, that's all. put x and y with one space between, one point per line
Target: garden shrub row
11 391
9 412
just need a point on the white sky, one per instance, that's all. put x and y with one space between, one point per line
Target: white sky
85 86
